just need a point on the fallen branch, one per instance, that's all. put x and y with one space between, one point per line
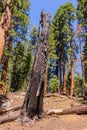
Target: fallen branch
8 119
10 109
54 95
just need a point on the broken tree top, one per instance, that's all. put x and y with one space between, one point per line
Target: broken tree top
44 25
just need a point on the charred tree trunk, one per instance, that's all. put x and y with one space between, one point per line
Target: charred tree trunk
4 27
72 69
46 80
33 103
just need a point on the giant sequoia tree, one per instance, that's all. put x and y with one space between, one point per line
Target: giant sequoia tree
17 31
33 103
82 21
5 23
63 33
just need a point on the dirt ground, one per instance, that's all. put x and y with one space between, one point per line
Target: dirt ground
53 122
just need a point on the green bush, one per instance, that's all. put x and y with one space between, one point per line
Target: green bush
78 86
53 84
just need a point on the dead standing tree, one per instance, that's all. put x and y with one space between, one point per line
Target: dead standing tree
33 102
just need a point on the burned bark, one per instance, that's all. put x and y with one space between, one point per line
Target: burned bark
33 102
46 80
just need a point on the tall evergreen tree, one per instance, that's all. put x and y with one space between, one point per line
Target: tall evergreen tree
22 67
18 28
62 36
82 20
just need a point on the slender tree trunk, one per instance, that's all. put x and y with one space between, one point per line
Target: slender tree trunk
72 69
56 70
33 102
64 73
64 80
4 27
61 86
46 80
81 58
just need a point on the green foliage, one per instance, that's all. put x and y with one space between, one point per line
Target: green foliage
78 86
61 23
21 67
62 32
53 84
82 12
33 35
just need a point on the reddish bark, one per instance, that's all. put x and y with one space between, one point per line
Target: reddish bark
72 69
5 67
3 76
4 27
64 74
64 80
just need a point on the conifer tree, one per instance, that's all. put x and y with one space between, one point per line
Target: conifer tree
82 20
62 30
18 27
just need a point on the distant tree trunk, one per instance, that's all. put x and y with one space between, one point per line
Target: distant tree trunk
33 102
56 70
46 80
72 69
4 27
79 34
64 76
5 67
61 87
81 57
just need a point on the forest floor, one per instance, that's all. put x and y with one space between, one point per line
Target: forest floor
53 122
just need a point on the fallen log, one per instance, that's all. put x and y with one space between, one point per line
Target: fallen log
8 119
10 109
72 110
55 95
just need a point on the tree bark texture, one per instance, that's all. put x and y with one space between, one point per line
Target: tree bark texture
5 67
4 27
64 80
46 80
33 102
